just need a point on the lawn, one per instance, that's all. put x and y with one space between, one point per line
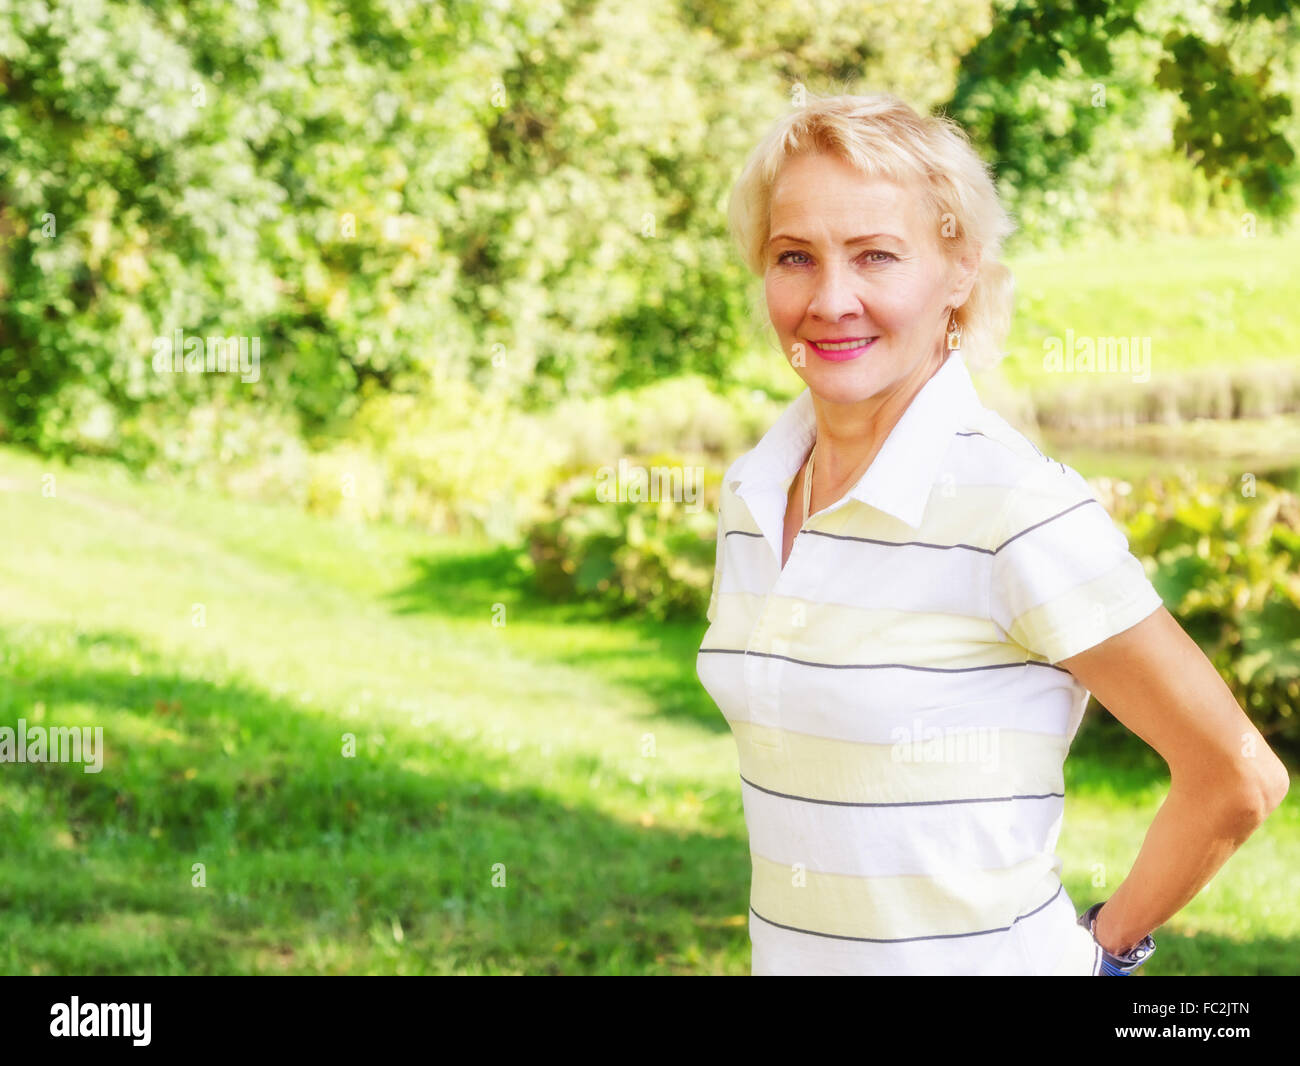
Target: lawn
1206 303
555 794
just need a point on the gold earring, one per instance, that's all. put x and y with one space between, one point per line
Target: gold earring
954 334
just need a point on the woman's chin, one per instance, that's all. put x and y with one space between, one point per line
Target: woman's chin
845 388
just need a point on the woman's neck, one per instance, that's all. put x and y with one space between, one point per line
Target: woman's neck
849 436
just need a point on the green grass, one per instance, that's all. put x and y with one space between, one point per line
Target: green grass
1205 302
481 749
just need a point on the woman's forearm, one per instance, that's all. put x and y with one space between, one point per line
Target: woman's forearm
1196 830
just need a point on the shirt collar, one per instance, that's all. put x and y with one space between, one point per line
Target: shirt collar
900 477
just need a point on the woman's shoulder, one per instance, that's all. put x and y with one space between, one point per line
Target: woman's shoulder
1031 485
1004 445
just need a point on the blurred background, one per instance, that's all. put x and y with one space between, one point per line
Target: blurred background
324 331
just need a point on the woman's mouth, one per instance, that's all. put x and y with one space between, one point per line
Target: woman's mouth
840 351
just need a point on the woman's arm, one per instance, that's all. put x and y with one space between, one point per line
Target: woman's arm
1224 779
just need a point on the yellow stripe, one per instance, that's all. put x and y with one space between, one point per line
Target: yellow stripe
896 908
732 627
1079 618
832 634
956 768
960 518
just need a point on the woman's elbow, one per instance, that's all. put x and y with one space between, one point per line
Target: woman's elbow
1276 785
1242 796
1257 797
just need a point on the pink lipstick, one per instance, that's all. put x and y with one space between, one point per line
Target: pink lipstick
842 351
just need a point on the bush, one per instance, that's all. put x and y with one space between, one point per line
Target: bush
463 462
682 414
652 556
239 448
1225 561
457 459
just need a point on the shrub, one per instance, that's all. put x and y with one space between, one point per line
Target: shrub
1225 564
650 556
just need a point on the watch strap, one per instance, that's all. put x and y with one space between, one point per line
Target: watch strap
1113 965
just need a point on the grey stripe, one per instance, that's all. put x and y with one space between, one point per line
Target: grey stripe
1081 503
909 803
927 544
882 666
874 541
900 543
909 939
977 433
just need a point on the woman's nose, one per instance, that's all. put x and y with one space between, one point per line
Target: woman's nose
834 296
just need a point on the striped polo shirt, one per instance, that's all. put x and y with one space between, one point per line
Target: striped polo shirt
900 721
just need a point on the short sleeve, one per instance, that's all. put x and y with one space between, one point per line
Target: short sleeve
1063 578
717 568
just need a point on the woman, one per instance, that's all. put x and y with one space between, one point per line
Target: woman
911 603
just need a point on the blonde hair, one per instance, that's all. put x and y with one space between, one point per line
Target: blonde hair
882 136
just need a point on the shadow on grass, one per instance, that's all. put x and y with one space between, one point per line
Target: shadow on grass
466 584
314 861
657 659
311 856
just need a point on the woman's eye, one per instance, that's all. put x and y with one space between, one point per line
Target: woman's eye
784 256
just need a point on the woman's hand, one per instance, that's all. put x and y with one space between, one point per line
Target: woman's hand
1224 779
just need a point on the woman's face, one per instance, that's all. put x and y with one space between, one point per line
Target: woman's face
856 258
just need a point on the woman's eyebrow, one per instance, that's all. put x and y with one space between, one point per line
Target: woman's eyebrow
851 241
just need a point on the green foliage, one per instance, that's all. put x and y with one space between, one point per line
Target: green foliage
1030 75
277 170
595 247
683 414
1227 566
1230 122
633 554
528 197
457 461
1051 90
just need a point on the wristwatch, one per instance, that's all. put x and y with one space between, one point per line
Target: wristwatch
1117 965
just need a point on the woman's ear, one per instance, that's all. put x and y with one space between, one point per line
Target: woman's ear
967 270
